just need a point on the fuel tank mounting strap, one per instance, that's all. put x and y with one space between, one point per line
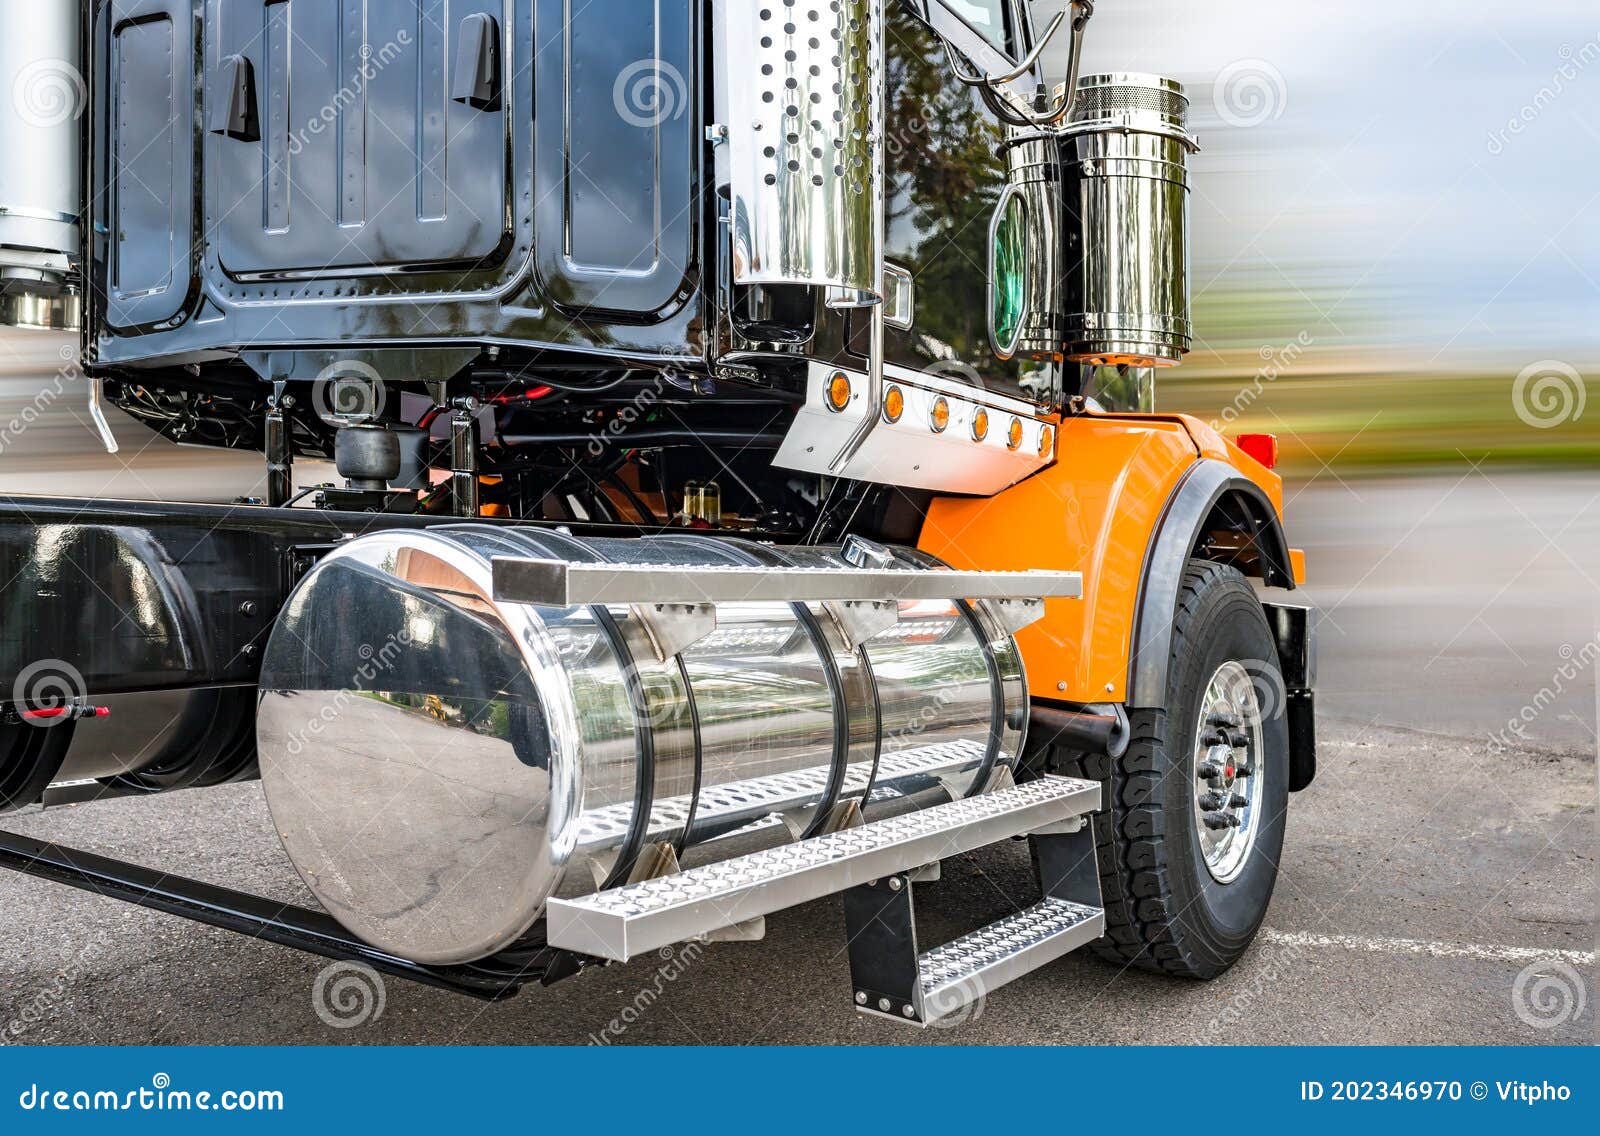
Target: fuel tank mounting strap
557 583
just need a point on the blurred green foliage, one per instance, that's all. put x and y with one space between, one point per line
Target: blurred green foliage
1315 371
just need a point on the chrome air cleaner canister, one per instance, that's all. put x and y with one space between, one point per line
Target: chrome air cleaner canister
41 123
1126 228
439 763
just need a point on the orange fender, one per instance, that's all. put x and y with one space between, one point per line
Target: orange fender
1096 511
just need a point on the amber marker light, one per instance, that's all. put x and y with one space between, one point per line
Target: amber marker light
839 391
894 405
1014 435
980 425
939 418
1047 439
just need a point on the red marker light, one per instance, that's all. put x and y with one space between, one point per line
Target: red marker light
1262 447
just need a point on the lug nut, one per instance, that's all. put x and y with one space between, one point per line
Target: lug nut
1212 802
1218 821
1237 802
1225 718
1208 770
1238 740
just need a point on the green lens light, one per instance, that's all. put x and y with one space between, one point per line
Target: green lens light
1010 272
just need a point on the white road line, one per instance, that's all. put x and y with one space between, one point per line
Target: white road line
1382 946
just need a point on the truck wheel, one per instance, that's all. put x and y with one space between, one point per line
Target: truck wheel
1189 841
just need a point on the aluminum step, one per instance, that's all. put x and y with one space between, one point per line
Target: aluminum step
628 921
961 973
558 583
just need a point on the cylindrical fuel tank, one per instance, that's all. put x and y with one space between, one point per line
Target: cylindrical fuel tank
1126 229
439 764
42 102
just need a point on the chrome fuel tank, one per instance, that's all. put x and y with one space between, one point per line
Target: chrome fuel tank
439 763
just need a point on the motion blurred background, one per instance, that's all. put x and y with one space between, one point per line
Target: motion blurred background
1396 253
1396 215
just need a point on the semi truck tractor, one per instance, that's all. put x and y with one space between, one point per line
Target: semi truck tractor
746 487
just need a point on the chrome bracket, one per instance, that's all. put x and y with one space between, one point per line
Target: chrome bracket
1017 613
675 627
97 415
860 621
750 931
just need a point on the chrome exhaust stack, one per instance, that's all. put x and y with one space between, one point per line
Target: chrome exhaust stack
459 726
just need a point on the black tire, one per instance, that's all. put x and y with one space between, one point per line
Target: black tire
1164 910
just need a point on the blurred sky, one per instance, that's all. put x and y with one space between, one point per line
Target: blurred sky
1359 167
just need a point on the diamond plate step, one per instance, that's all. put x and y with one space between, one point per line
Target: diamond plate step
642 917
958 974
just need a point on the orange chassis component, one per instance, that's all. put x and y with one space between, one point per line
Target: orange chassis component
1096 511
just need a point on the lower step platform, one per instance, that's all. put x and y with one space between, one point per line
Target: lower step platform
624 922
961 973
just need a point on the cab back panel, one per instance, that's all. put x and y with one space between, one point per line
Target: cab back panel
615 165
364 161
150 64
370 207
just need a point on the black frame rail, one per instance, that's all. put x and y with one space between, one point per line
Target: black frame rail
286 924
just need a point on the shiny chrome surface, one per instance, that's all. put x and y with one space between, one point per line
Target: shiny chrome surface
1235 793
560 583
804 98
33 312
1033 179
1127 240
440 762
629 921
41 115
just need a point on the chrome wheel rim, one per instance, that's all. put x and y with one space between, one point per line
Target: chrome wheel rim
1228 771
